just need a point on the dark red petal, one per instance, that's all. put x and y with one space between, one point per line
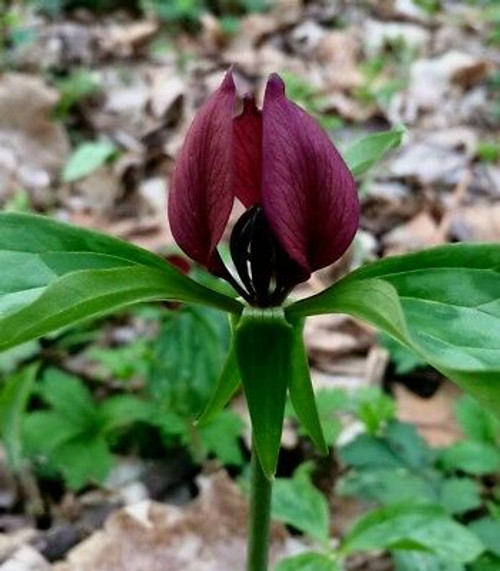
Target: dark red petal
201 194
247 132
309 195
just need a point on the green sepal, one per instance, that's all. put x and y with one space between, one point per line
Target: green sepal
301 390
227 385
264 343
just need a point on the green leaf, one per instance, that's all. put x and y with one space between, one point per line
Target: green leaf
296 502
459 495
54 275
221 437
387 485
400 446
44 431
407 444
405 361
13 401
73 88
173 428
11 360
187 358
42 247
83 459
69 397
86 158
302 393
264 345
71 436
477 422
477 458
80 295
486 562
391 485
361 155
329 402
494 506
122 410
443 303
367 451
309 561
411 526
52 435
123 362
488 531
332 401
421 561
374 408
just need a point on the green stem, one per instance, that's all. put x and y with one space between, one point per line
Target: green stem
260 515
197 448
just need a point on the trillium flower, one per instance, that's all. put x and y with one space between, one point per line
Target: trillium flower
302 210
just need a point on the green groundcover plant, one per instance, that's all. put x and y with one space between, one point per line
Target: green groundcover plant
434 509
74 432
301 214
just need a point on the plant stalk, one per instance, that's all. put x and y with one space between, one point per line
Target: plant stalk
260 516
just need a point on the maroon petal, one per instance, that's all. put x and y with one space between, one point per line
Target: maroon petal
248 153
309 195
201 194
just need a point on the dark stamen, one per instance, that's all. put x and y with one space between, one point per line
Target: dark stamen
265 269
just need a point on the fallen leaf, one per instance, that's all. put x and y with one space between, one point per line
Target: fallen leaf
153 191
345 373
400 9
254 27
36 145
11 542
334 335
63 44
376 365
469 75
126 98
209 535
306 37
349 108
432 79
8 488
376 36
126 39
99 190
478 223
26 558
166 91
418 233
433 417
8 167
338 53
213 37
429 162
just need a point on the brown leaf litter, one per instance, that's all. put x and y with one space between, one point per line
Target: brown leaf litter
209 535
